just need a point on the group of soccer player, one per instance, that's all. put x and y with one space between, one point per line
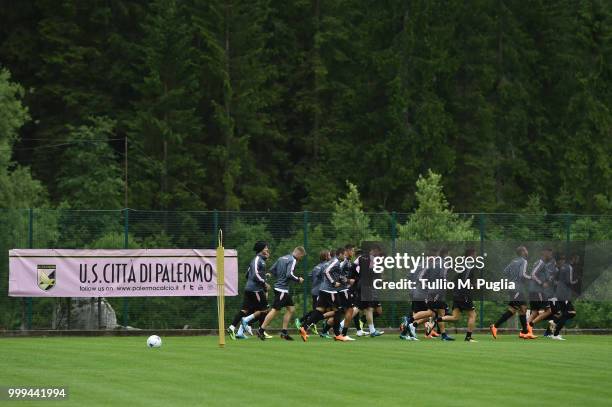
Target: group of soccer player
550 286
336 296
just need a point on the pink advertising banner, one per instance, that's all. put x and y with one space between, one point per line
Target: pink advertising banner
119 273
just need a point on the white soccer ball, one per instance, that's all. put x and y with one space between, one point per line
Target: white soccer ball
154 341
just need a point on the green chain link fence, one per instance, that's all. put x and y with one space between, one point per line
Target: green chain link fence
46 228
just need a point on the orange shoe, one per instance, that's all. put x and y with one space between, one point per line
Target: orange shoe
340 338
493 330
303 334
529 336
434 334
522 335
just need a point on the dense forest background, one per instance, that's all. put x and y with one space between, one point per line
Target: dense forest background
274 105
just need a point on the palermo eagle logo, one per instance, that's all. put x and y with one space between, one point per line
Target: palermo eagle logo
46 276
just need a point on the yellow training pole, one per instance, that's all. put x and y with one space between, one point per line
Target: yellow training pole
221 289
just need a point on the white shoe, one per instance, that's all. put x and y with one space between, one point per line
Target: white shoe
413 338
552 326
249 330
412 330
348 338
361 333
557 337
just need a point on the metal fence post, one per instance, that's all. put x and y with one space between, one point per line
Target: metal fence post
31 246
306 261
482 237
126 242
393 237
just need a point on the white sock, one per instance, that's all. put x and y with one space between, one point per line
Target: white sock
249 318
372 329
240 331
232 328
342 324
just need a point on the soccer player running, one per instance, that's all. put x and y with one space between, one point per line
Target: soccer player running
420 312
316 278
255 303
562 307
364 263
462 298
436 298
541 289
326 302
516 272
344 299
283 269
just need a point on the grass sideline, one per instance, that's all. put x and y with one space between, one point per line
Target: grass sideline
370 371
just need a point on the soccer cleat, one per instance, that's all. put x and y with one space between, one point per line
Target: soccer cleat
298 323
552 325
348 338
246 327
522 335
470 340
529 336
557 338
242 336
360 333
232 332
376 333
314 329
340 338
261 334
434 334
404 337
403 323
266 336
325 336
547 333
447 338
286 337
303 334
493 330
428 328
412 330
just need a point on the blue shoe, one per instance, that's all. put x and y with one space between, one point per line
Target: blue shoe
242 337
446 338
245 326
376 333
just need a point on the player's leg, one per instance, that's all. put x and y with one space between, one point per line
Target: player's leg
276 307
441 311
509 313
289 310
471 324
453 317
567 312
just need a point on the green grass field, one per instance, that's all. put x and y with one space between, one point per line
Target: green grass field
374 372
